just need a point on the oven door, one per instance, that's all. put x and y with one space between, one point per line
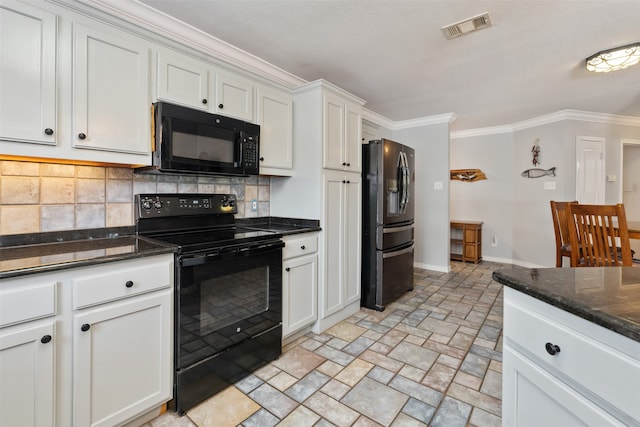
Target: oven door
228 318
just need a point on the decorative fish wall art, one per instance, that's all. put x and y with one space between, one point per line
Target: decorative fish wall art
538 173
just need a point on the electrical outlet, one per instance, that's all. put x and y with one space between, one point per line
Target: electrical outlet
254 205
494 241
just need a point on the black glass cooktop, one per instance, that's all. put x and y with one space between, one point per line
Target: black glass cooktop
212 239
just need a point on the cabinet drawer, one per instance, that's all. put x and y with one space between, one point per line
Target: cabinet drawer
120 280
299 245
596 369
26 303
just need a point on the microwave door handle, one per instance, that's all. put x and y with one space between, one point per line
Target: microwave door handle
241 150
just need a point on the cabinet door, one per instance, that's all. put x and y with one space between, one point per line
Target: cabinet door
275 120
122 364
351 238
300 290
353 139
527 388
183 80
111 91
234 97
333 156
27 376
331 294
27 74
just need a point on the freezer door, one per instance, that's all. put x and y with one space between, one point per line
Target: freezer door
397 275
394 237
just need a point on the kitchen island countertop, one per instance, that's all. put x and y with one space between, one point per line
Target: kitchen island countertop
607 296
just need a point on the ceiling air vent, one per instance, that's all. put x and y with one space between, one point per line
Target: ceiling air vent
467 26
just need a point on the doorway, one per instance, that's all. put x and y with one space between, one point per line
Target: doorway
590 171
630 183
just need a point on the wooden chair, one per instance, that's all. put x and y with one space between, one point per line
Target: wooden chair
598 236
560 217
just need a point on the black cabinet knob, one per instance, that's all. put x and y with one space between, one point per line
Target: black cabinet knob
85 327
344 163
129 284
45 339
552 349
348 164
287 269
204 101
262 159
220 106
344 181
48 131
348 182
303 247
82 135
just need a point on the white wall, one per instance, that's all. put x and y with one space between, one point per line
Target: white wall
517 207
431 145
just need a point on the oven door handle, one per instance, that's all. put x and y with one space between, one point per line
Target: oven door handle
191 260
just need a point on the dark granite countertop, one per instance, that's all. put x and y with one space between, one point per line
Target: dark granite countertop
607 296
284 226
44 252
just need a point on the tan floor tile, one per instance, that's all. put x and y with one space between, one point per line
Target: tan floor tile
282 381
267 372
335 389
415 340
346 331
298 362
227 408
331 409
475 398
412 373
442 339
381 348
300 417
330 368
365 422
468 380
449 361
439 377
494 365
381 360
354 372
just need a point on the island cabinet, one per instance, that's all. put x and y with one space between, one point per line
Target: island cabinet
299 282
87 346
466 241
562 370
74 87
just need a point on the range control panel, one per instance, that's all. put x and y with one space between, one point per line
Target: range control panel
167 205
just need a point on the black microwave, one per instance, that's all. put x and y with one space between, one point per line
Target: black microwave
194 141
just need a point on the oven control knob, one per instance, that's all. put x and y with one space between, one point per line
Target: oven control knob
146 204
157 204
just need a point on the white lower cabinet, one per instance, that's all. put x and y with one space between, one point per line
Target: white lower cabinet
299 282
120 367
27 367
87 346
561 370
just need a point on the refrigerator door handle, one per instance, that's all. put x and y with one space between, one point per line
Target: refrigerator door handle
398 253
397 229
404 197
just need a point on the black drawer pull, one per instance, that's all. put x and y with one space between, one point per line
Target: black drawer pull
48 131
220 105
303 247
204 101
45 339
82 136
129 284
287 269
85 327
552 349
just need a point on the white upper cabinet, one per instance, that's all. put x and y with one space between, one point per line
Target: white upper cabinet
275 117
234 97
183 80
28 74
342 134
111 87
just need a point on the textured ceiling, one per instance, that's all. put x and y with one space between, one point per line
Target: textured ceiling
393 54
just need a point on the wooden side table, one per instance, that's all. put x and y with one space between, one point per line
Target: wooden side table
466 241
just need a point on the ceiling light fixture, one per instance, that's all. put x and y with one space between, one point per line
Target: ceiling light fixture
614 59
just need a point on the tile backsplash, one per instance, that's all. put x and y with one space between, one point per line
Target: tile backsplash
40 197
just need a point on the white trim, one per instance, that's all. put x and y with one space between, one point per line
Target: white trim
323 84
425 121
377 119
623 142
432 267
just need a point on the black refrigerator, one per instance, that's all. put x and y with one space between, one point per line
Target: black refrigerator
388 190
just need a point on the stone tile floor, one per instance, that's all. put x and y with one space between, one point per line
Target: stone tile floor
432 358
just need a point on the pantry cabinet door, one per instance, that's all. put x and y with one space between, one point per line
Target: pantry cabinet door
111 85
275 118
27 74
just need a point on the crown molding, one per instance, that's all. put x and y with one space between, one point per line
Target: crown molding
325 85
447 118
584 116
377 119
146 17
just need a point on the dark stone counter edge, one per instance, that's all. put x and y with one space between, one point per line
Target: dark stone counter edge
159 249
613 323
285 226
